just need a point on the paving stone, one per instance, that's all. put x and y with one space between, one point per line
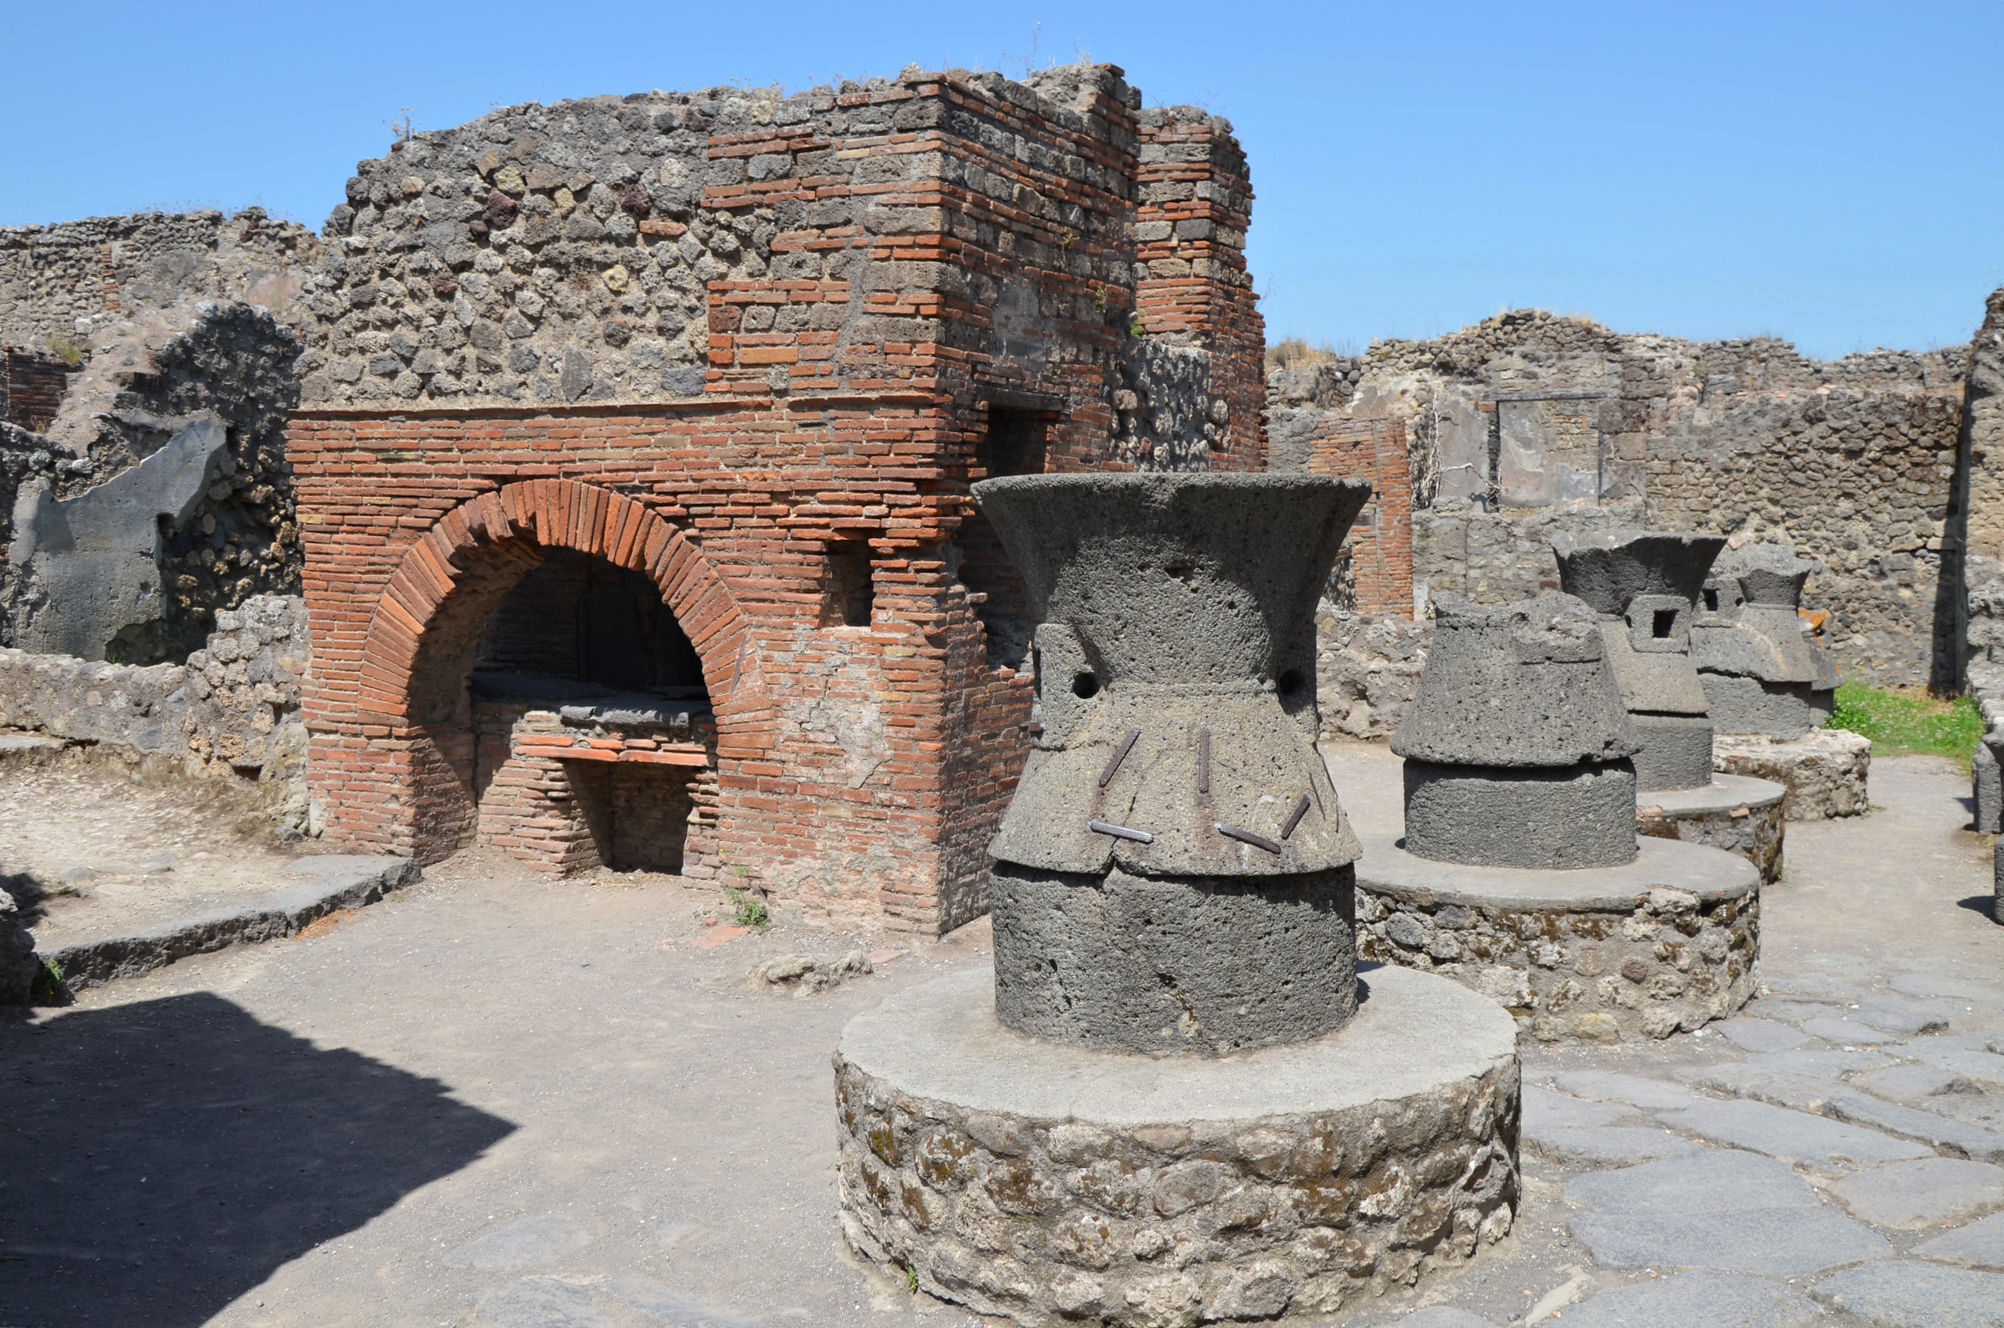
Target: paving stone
1941 984
1685 1300
1606 1145
1916 1083
1546 1110
1762 1034
1434 1316
1931 1191
1811 988
1840 1101
1794 1136
1967 1056
1828 1064
1892 1015
1767 1242
538 1302
1795 1012
1649 1094
1980 1244
1713 1181
522 1244
663 1306
1910 1294
1848 1029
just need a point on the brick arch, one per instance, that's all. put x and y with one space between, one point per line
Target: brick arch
428 620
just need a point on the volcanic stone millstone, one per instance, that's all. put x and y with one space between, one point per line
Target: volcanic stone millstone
1563 818
1179 964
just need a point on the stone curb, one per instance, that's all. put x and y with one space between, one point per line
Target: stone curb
333 882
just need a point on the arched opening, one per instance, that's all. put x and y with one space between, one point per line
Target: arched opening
545 659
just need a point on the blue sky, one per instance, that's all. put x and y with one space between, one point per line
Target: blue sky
1825 172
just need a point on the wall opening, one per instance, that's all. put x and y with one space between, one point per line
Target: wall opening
581 656
1015 444
849 597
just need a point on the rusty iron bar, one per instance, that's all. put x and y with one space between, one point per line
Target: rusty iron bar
1245 836
1098 826
1119 755
1294 817
1203 763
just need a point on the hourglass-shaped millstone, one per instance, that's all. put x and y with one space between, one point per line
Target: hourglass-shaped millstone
1516 748
1645 586
1761 671
1173 873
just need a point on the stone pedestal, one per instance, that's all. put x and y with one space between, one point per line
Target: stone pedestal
1733 812
1824 770
1051 1183
1606 954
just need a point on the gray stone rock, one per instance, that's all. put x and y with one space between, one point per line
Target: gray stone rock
1650 1094
1922 1193
1692 1300
1605 1145
1970 1057
1768 1242
1711 1181
539 1302
1818 1063
1843 1030
1916 1083
1841 1101
1986 789
1434 1316
1544 1110
1541 818
1762 1034
1908 1018
1910 1294
1980 1244
1943 984
1793 1136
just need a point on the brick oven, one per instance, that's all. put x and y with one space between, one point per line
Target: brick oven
634 452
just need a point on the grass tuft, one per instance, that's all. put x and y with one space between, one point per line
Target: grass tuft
1908 722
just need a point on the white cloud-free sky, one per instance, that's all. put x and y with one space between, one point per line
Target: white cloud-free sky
1828 172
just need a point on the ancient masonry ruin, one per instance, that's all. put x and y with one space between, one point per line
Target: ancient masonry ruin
1174 877
634 449
1520 873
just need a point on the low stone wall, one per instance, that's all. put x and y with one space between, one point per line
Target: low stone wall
231 712
1824 770
1367 670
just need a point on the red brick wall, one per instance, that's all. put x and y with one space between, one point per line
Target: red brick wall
1378 555
31 388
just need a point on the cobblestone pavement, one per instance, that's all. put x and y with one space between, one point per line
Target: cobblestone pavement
501 1102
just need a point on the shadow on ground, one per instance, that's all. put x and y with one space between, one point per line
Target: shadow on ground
158 1160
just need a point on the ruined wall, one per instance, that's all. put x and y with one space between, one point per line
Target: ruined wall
63 283
32 387
1527 423
232 712
146 381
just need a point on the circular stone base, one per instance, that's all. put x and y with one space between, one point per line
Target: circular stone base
1737 814
1608 954
1824 770
1042 1182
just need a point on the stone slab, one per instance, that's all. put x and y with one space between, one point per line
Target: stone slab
1650 1094
1818 1062
1793 1136
1964 1056
1605 1145
1687 1300
1725 795
332 882
1412 1032
1943 984
1825 771
1911 1294
1661 864
1740 815
1842 1102
1545 1110
1980 1244
1434 1316
1712 1181
1923 1193
1762 1034
1843 1029
1767 1242
1913 1084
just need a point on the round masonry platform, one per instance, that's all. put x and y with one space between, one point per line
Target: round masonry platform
1053 1183
1603 954
1733 812
1824 770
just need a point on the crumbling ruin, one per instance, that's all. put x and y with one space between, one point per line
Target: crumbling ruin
1520 873
1173 876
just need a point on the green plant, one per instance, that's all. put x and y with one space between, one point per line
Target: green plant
48 985
911 1279
1136 328
66 349
747 906
1099 300
1908 722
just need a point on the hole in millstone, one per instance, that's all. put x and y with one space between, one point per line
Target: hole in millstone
1085 685
1711 599
1292 683
1664 622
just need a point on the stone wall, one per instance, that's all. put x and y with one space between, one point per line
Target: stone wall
146 381
1528 423
232 712
62 284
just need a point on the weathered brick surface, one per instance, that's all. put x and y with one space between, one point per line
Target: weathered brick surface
921 267
31 387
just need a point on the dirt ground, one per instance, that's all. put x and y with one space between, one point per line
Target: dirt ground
500 1100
